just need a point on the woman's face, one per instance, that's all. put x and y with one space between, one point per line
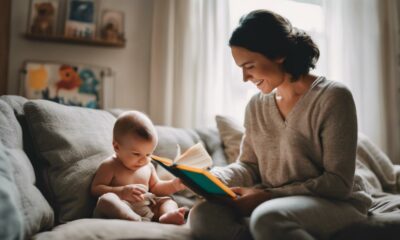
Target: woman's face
266 74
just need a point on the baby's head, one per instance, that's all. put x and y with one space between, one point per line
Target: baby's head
134 139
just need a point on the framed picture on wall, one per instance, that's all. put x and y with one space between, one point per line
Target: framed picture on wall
112 25
43 15
80 19
69 84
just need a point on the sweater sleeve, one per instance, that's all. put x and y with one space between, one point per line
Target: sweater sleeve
338 137
244 172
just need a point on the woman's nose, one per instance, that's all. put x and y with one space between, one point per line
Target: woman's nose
246 76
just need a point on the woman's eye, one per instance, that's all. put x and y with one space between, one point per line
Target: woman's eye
136 154
249 67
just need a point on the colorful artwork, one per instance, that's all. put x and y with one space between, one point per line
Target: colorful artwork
76 85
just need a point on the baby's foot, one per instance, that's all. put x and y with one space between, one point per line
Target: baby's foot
176 216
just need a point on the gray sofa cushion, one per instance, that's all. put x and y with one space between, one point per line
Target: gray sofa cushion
11 221
71 142
36 211
17 104
10 130
231 133
115 229
211 138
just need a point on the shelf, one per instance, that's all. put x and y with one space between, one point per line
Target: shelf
63 39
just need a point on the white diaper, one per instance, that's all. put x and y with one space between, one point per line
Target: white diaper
144 208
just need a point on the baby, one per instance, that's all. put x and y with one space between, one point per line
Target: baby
127 184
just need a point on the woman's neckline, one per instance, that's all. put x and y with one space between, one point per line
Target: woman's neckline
284 120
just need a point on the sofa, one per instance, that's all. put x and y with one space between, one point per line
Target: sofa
50 152
48 156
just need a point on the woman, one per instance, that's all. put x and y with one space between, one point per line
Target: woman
295 173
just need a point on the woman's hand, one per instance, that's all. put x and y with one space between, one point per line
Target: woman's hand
249 199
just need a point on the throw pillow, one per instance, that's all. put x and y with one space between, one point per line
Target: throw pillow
36 212
212 140
71 142
11 221
231 133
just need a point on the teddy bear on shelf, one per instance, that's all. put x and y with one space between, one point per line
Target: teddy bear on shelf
110 33
44 19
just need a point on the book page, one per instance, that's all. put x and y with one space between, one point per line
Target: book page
195 156
178 152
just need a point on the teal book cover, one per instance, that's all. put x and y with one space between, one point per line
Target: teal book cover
199 180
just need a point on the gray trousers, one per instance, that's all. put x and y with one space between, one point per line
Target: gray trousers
294 217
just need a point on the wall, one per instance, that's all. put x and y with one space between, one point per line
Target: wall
130 64
5 15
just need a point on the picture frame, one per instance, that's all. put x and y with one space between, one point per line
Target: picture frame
43 17
69 84
112 25
80 19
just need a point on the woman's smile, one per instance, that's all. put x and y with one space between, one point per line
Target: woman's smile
259 82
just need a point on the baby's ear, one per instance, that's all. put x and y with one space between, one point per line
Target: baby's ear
115 145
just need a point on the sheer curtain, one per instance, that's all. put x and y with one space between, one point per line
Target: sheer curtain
191 77
390 20
188 62
361 51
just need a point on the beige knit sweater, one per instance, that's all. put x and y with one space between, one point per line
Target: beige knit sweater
312 152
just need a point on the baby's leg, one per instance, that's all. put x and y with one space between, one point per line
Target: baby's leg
110 205
170 213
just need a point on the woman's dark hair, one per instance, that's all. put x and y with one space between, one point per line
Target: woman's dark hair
273 36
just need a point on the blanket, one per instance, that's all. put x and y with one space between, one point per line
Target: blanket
381 177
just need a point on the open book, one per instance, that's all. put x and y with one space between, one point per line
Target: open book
191 167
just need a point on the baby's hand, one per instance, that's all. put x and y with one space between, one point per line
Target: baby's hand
178 185
132 193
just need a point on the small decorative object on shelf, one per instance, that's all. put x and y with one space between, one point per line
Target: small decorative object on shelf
112 26
80 19
43 17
